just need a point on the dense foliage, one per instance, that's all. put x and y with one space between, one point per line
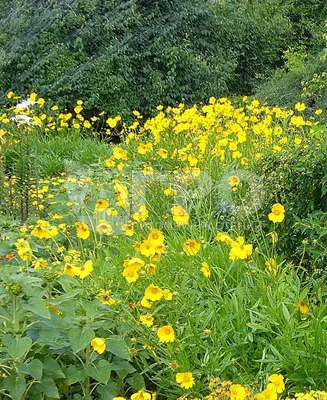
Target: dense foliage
123 55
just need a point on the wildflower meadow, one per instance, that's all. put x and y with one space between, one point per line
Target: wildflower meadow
178 262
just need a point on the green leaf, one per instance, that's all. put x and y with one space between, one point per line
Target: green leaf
109 391
117 346
80 338
286 313
52 368
100 371
16 347
16 387
136 381
34 369
38 307
74 375
49 388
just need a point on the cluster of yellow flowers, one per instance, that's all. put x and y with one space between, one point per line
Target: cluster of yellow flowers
123 244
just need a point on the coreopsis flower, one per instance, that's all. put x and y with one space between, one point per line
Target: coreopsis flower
105 297
121 192
180 216
40 263
135 263
82 231
84 270
237 392
104 228
272 266
234 181
130 274
239 250
224 238
191 247
302 307
153 292
300 106
147 320
278 381
119 398
24 249
99 345
101 205
69 269
169 192
146 303
167 294
147 248
119 154
43 230
141 395
128 229
162 153
185 379
156 237
267 394
142 214
277 213
205 269
166 334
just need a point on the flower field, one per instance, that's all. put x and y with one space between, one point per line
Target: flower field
168 268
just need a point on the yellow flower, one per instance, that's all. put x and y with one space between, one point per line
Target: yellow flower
24 249
82 231
104 228
135 263
69 269
128 229
99 345
105 298
119 398
277 213
300 106
185 379
205 269
40 263
147 248
272 266
274 236
43 230
224 238
237 392
156 237
239 250
180 216
101 205
84 270
169 192
147 320
166 334
141 395
167 294
153 293
303 307
191 247
130 274
278 381
234 181
141 215
267 394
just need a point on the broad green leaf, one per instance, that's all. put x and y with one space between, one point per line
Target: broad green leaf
53 369
17 347
34 369
80 338
75 375
39 307
16 387
117 346
99 371
136 381
49 388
